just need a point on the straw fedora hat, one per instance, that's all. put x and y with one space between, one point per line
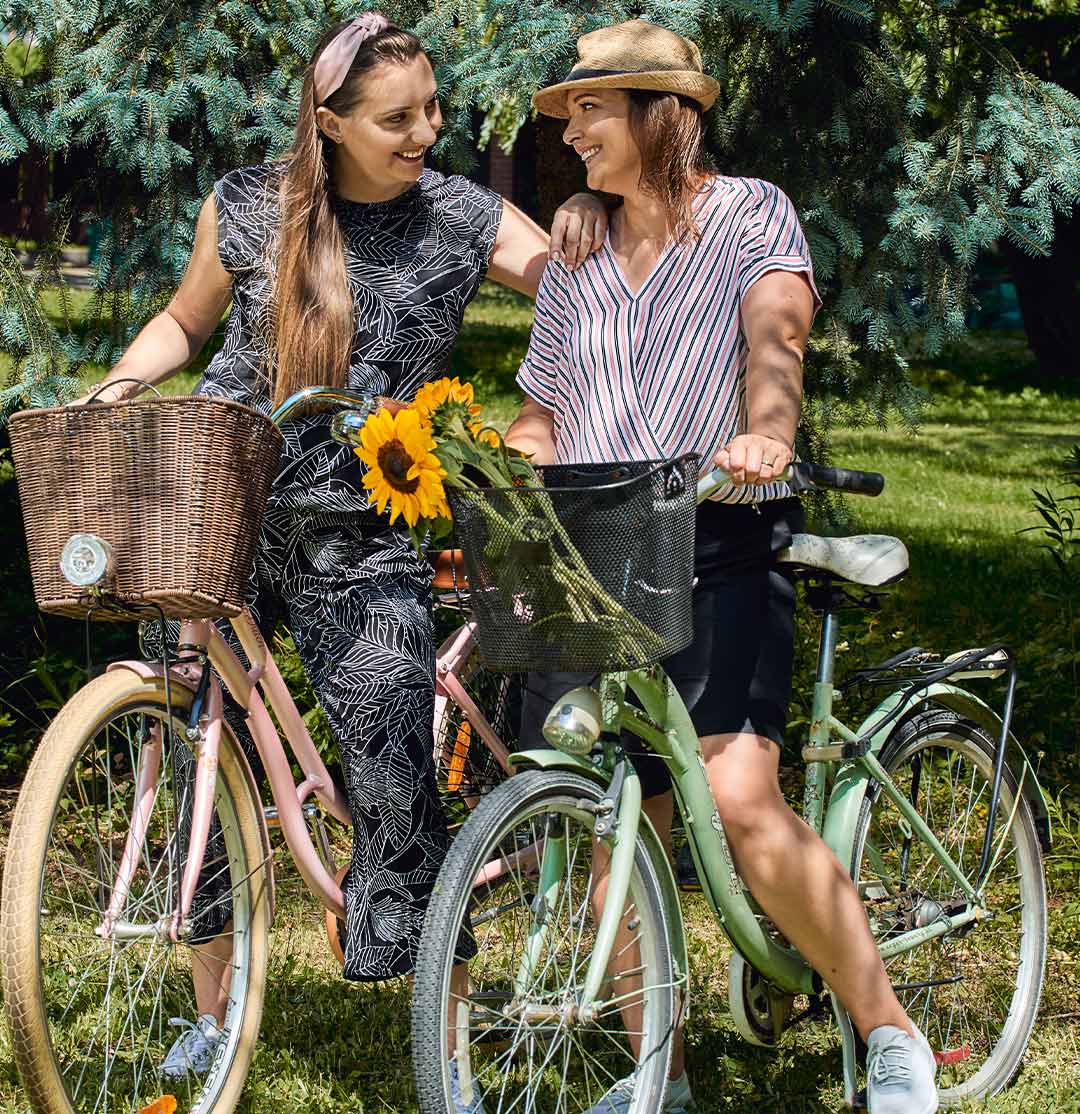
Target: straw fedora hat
632 55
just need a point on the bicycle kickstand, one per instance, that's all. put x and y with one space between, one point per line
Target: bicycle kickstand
847 1040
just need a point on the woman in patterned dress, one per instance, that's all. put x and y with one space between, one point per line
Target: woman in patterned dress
348 264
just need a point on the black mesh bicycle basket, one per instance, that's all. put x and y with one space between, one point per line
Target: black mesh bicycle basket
592 572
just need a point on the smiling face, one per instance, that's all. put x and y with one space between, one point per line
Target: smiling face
382 141
599 131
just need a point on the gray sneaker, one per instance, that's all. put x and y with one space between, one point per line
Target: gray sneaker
474 1105
193 1051
899 1072
618 1099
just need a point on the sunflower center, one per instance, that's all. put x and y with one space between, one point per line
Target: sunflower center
395 462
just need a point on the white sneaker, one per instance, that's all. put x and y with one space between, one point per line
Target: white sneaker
617 1101
193 1051
899 1072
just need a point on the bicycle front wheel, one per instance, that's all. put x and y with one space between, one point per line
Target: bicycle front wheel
974 992
90 1016
518 1041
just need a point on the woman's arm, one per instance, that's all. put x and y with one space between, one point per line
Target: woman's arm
533 432
521 251
172 339
777 312
522 248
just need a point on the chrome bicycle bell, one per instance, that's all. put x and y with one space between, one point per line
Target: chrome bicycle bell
573 725
86 559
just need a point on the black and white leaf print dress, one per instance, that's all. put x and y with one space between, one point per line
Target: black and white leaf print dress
350 587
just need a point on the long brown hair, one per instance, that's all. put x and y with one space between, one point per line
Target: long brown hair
668 131
312 305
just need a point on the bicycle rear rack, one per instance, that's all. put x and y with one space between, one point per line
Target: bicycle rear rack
915 671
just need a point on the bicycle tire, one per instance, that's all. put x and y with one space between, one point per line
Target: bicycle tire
43 938
517 806
966 965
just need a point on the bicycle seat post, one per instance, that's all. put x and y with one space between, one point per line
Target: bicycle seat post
814 788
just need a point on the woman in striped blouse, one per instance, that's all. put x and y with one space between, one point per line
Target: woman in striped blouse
684 333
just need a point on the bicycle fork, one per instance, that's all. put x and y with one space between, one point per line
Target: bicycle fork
149 767
618 813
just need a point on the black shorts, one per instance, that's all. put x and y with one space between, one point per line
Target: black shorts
736 674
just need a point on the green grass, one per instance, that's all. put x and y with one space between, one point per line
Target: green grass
331 1047
959 494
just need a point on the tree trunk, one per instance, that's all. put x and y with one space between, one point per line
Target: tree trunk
35 193
1048 289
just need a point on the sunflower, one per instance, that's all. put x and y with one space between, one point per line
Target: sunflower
444 400
485 436
402 469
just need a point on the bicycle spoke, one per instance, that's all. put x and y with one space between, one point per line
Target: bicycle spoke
107 1000
528 1050
961 988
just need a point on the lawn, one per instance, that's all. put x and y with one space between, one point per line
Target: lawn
959 493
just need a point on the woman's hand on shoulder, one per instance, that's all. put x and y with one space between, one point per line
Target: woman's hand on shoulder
579 228
753 458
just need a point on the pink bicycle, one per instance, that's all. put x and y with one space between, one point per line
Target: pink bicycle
112 851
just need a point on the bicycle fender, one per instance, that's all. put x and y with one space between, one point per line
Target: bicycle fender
548 759
545 759
970 706
149 672
845 800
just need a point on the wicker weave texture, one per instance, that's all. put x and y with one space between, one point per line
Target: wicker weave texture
177 486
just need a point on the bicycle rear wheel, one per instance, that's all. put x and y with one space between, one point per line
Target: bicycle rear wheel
975 992
90 1017
520 1044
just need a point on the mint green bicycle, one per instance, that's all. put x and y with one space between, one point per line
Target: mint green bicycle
930 801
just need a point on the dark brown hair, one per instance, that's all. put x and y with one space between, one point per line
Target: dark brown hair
312 304
668 131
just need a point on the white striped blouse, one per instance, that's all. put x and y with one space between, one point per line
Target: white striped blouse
662 372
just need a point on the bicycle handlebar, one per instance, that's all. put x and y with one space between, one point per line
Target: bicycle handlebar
806 477
800 475
357 399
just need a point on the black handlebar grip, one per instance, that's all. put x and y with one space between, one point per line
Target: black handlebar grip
838 479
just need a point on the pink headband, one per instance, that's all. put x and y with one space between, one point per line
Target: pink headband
335 60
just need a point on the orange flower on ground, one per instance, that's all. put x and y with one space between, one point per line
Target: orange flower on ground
402 468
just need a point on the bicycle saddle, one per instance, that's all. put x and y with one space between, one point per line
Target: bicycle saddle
867 559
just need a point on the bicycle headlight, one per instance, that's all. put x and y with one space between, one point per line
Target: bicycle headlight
573 725
86 559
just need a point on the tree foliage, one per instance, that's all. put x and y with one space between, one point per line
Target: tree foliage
907 134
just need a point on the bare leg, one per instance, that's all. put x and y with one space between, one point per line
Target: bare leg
211 973
797 879
626 954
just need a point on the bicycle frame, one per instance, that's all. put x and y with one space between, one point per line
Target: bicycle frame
211 662
667 727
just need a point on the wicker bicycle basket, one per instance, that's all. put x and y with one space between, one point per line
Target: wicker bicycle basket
176 487
592 572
